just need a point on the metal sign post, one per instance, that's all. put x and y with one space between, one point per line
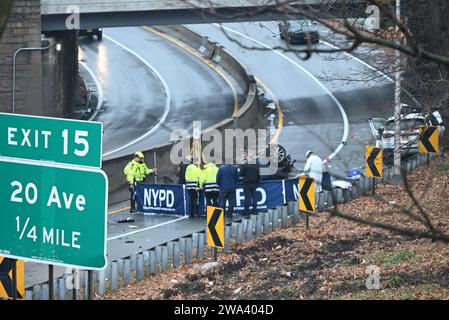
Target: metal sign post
89 284
50 282
215 253
74 284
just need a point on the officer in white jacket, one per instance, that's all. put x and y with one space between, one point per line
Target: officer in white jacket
314 169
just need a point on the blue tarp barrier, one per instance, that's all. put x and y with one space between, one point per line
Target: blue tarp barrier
161 198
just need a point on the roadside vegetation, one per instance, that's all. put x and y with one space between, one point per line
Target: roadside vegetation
332 259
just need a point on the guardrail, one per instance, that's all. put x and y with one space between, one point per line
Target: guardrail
185 250
250 114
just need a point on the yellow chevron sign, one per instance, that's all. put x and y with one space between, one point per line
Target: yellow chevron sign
374 166
428 140
306 199
6 278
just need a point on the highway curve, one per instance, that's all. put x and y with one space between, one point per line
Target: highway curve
312 107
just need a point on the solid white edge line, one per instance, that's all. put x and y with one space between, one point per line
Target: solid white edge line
99 89
359 60
146 229
340 107
167 93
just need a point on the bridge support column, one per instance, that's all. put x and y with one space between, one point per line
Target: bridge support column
46 81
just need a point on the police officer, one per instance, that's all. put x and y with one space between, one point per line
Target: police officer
211 188
182 169
250 174
136 171
194 177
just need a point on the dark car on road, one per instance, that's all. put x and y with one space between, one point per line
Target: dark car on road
91 33
299 31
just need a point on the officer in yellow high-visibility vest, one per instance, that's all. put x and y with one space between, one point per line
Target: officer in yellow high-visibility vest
211 188
136 171
194 177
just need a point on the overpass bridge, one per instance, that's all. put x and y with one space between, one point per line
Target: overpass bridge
120 13
46 80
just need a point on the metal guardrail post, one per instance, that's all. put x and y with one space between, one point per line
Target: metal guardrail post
250 230
239 233
284 217
258 226
37 292
164 258
139 267
227 238
176 255
158 258
188 251
152 262
114 275
126 271
62 289
275 219
120 266
44 291
101 289
200 249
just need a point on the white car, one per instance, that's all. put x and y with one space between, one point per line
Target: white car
383 132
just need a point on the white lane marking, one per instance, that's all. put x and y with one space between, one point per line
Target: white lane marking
146 229
340 107
167 93
99 88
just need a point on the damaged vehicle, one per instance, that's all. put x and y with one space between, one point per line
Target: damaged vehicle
383 131
285 164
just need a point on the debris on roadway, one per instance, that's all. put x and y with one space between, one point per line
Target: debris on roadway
332 260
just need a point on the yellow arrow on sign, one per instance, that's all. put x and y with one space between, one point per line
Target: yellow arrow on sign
428 140
374 166
6 278
215 227
306 194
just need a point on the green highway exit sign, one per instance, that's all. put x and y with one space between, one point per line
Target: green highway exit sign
53 213
51 139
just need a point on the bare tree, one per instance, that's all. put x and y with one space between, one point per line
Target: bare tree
423 41
5 9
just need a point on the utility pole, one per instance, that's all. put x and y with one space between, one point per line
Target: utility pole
397 105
